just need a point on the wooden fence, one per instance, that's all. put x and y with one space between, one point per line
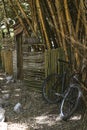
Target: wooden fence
37 65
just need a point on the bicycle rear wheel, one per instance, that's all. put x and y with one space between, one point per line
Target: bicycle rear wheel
70 101
52 85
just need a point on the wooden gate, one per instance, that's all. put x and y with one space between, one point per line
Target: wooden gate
33 67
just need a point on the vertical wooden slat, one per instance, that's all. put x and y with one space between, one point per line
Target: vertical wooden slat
51 63
8 62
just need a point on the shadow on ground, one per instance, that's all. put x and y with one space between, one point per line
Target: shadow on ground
35 114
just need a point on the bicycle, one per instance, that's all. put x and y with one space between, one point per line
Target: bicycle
69 96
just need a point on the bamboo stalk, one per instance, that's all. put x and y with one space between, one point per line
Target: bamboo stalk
20 20
33 13
81 23
71 29
5 15
60 16
51 31
78 20
39 11
84 20
54 18
26 18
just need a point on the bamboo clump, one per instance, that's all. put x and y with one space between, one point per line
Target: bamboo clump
57 24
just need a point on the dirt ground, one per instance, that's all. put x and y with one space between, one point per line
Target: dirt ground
35 113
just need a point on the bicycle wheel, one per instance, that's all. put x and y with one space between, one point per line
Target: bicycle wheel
70 101
52 85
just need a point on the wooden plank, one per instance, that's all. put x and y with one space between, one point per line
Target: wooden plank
8 62
51 57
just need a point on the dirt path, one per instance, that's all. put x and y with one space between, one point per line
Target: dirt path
35 112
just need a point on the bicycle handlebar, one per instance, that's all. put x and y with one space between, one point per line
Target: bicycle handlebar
63 61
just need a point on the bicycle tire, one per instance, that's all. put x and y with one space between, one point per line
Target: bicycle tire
70 102
51 85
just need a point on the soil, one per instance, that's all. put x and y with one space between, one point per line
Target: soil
35 113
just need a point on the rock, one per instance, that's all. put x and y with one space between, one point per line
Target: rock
2 115
9 79
18 108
